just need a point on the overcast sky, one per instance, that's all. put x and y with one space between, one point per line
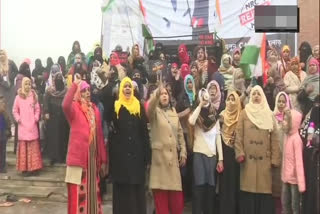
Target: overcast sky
41 28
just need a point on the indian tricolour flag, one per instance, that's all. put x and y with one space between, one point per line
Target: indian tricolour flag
254 55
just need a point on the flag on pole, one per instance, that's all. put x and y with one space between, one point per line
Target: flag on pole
148 37
107 5
253 57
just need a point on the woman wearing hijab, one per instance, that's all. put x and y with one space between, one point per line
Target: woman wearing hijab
274 83
185 102
57 126
305 53
129 150
309 88
311 157
293 80
97 55
49 64
207 154
63 65
76 49
285 60
283 118
135 53
24 71
229 184
55 68
238 84
26 112
184 106
226 69
37 74
196 74
215 95
8 73
236 56
257 151
79 67
168 154
202 62
86 158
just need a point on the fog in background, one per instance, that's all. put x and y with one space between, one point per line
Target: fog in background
42 28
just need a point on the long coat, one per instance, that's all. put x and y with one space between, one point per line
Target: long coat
26 112
261 150
57 134
166 138
129 147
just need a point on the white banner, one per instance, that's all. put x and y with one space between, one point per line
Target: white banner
180 19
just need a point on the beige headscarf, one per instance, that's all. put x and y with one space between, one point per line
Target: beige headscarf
24 94
259 114
4 63
230 118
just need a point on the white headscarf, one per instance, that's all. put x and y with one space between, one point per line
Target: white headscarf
259 114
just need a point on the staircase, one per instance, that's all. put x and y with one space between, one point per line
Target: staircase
48 185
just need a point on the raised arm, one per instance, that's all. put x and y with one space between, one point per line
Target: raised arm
67 102
194 116
153 102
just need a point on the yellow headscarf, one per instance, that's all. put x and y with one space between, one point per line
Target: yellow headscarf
259 114
132 104
230 118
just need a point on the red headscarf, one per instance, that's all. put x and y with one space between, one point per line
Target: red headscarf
183 54
185 70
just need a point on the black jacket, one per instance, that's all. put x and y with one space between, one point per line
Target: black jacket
129 147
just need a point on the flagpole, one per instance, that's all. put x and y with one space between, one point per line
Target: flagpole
101 33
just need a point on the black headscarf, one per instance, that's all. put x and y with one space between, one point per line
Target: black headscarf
74 50
139 81
49 64
63 65
97 55
305 51
25 70
39 69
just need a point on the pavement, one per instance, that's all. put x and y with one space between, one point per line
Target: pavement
39 207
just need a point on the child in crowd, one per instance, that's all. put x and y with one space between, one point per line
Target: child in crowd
292 167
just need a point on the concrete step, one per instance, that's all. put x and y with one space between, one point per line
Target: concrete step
45 178
56 194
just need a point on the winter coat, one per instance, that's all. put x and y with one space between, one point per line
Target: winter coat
166 139
261 150
129 147
79 132
292 165
26 112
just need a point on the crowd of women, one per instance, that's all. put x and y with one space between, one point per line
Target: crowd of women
194 129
